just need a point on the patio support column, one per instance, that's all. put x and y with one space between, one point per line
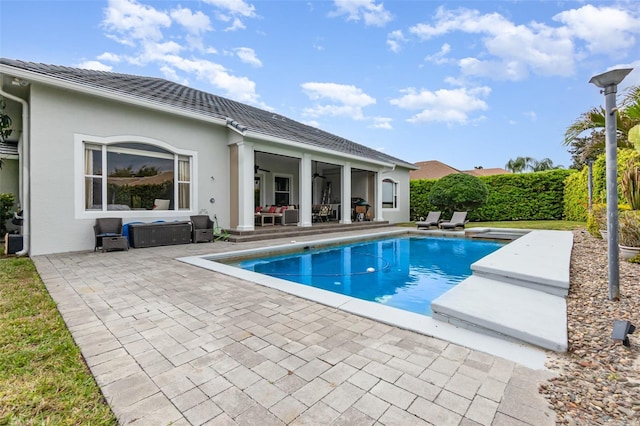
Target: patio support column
378 189
305 190
345 200
245 186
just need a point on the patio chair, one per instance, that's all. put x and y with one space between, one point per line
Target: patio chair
109 228
432 219
201 228
458 220
324 212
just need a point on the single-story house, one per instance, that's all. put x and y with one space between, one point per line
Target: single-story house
434 169
94 144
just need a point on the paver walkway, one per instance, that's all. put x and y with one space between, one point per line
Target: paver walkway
170 343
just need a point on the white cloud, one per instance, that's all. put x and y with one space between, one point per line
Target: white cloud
109 57
234 7
366 10
237 24
382 123
233 11
141 28
239 88
604 29
512 51
449 106
441 56
129 21
531 115
248 55
194 23
395 40
94 65
342 100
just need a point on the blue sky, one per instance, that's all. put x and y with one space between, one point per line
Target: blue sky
468 83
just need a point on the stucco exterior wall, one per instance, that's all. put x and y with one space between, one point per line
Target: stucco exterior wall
401 213
58 116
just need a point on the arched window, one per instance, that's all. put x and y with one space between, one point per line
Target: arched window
389 194
135 176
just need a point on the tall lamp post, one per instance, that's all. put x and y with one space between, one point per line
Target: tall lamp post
590 183
609 82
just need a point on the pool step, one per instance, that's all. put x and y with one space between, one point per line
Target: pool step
517 292
538 260
502 309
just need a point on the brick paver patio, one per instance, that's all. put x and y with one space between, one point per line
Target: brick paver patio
170 343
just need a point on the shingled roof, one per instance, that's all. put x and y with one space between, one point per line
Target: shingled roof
158 90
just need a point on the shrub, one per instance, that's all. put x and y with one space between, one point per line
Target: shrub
597 220
458 192
576 196
629 228
6 204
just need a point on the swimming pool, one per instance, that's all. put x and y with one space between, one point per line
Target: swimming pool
405 272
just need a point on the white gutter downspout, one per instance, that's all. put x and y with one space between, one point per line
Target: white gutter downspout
25 172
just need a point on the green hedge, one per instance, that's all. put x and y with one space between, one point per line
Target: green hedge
522 196
419 199
576 196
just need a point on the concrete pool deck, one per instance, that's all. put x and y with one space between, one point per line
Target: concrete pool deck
170 343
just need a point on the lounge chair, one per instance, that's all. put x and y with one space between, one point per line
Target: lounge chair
458 220
432 219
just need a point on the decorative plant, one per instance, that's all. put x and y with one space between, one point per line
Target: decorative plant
630 185
629 232
5 125
597 220
6 204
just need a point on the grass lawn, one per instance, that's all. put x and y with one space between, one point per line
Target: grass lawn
560 225
43 377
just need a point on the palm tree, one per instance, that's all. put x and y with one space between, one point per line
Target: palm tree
593 121
544 164
519 164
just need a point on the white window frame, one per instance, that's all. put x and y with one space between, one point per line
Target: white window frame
81 140
394 194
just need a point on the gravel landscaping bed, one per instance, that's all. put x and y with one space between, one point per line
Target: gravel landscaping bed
598 379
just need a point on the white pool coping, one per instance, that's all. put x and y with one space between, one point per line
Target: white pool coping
523 354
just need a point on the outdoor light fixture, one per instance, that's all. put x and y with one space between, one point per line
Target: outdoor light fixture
609 81
610 78
620 331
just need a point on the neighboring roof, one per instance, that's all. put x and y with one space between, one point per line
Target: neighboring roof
487 172
434 169
156 90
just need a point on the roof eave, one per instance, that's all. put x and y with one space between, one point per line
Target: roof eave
306 147
77 87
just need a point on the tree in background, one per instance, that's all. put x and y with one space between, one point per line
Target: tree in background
523 164
519 164
585 136
458 192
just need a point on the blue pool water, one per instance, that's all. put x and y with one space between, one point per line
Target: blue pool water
403 272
